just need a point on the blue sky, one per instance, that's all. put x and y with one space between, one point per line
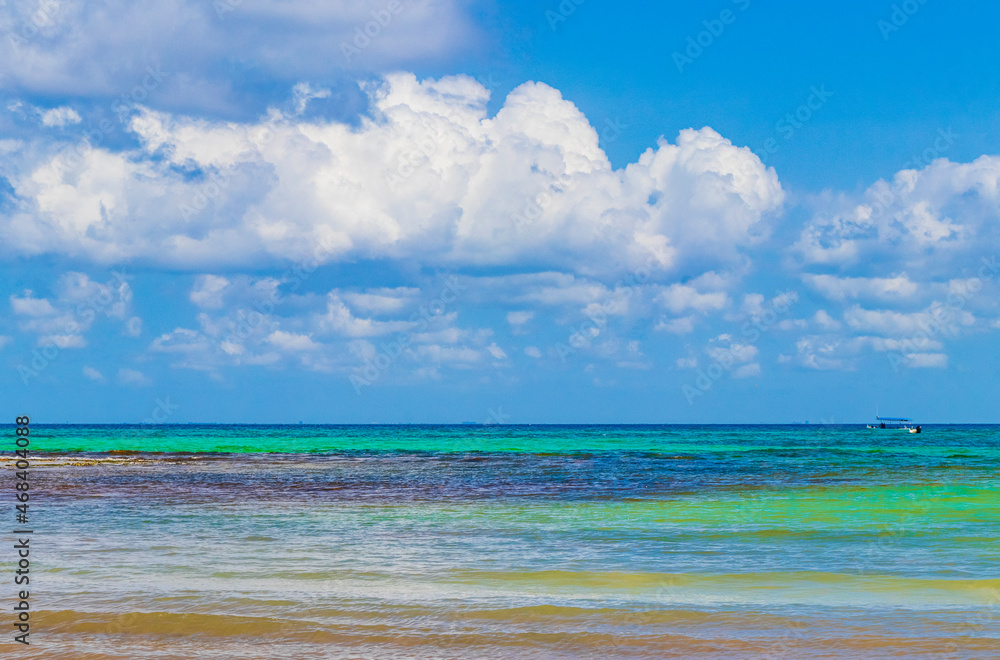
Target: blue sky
727 211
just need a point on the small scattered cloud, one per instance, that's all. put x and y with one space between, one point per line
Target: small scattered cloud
897 288
133 377
822 353
93 374
62 341
339 320
519 318
208 291
747 370
497 352
926 360
793 324
680 326
59 117
825 321
289 341
29 306
133 328
679 298
725 351
633 356
381 301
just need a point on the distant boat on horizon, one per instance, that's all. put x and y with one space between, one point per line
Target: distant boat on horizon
895 424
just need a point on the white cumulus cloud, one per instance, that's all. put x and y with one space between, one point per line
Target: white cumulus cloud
429 175
922 221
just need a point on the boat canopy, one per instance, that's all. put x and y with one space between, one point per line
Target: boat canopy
894 419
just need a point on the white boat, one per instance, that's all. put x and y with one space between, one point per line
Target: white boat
895 424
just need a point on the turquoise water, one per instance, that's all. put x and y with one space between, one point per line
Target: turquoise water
518 541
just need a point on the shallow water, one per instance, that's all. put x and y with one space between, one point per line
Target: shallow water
515 542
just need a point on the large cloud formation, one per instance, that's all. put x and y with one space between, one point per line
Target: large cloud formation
428 175
95 48
928 220
926 246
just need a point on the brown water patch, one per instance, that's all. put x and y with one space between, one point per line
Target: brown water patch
533 632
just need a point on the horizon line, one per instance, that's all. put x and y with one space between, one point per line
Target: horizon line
467 424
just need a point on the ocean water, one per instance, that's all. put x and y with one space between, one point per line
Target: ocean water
512 542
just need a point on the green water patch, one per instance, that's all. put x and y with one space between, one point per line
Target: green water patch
961 443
